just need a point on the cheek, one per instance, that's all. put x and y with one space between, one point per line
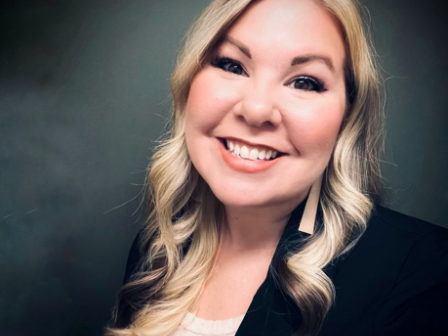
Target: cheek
199 108
209 101
314 128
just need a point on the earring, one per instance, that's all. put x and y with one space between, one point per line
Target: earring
309 214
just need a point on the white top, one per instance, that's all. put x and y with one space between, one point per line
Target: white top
195 326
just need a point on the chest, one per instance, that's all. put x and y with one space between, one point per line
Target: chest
232 286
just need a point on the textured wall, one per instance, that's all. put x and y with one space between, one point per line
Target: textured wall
84 96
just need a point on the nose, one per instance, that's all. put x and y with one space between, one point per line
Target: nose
258 108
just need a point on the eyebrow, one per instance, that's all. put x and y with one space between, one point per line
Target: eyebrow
295 61
241 46
309 58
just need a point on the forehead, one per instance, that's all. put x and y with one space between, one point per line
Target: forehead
286 28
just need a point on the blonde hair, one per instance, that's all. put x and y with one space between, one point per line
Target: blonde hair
184 213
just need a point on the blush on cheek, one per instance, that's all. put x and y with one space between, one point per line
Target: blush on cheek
198 96
208 99
316 131
199 111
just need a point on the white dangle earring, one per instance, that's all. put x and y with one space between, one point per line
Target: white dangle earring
309 214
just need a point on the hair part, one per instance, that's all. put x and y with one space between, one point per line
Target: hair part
169 282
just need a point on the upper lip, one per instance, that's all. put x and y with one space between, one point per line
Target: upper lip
252 143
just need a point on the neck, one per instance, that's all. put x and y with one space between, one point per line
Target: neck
251 228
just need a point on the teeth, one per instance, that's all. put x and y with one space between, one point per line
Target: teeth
244 152
253 155
236 150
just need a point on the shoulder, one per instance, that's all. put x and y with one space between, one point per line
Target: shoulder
398 230
394 280
394 241
415 254
396 221
407 245
421 246
395 252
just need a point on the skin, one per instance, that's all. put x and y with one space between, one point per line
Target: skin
257 100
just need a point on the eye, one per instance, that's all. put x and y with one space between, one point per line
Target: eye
307 84
229 65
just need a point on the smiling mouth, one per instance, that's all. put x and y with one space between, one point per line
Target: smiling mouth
248 152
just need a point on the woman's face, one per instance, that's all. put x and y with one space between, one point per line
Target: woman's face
274 84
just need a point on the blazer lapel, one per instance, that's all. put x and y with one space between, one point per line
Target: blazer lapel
272 312
266 315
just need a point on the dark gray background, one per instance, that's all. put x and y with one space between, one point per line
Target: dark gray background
84 95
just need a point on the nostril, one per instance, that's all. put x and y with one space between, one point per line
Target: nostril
267 124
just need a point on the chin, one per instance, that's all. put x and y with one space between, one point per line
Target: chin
246 197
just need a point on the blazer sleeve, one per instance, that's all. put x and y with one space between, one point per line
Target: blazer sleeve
418 302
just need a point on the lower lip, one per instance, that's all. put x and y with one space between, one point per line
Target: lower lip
245 165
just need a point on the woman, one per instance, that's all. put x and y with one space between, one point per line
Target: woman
263 218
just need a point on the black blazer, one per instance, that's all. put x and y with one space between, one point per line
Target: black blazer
393 282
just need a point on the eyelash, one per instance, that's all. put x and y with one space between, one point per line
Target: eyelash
223 63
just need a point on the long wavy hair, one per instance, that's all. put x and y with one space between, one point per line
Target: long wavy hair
185 215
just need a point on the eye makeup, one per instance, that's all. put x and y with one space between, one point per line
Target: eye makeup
304 82
308 83
228 64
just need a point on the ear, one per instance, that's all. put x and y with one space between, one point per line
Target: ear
309 214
